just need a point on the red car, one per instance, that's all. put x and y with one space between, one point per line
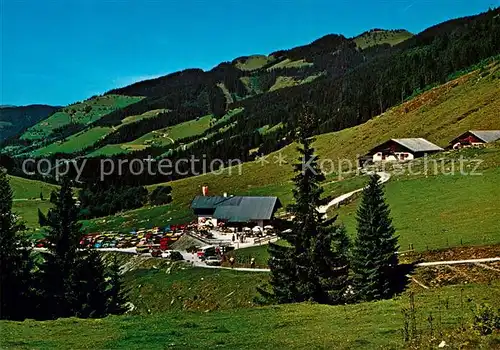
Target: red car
164 243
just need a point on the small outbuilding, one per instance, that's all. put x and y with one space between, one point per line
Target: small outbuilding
235 210
475 138
400 150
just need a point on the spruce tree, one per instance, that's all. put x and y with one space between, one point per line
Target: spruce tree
116 298
73 280
283 278
92 294
15 259
307 223
313 265
61 262
374 255
331 261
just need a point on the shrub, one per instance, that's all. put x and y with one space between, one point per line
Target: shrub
486 319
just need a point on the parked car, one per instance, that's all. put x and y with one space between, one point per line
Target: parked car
213 261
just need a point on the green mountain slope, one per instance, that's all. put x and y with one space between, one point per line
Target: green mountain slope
15 119
79 113
469 102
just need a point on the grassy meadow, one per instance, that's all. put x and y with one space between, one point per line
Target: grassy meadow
30 189
27 211
27 199
74 143
380 37
253 62
295 326
440 211
159 138
288 63
81 113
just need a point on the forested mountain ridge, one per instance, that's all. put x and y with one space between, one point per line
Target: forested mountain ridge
14 119
250 106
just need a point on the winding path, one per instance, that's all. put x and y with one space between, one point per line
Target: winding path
384 177
423 264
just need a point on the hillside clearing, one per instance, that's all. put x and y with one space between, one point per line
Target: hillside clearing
79 113
29 189
74 143
253 62
27 211
379 37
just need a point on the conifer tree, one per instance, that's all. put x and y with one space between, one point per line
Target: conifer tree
92 295
73 280
331 261
283 278
375 248
313 265
15 260
307 224
115 293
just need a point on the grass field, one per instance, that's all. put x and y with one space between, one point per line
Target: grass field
146 217
253 62
74 143
81 113
157 285
27 199
295 326
440 211
283 82
27 211
165 136
28 189
379 37
287 63
162 137
149 114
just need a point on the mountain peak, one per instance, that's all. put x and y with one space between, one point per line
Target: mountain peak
377 36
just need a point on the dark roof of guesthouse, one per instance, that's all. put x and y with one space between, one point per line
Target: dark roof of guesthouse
207 202
238 208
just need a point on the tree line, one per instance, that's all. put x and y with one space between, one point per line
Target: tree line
63 281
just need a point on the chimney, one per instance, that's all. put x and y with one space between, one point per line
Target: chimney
204 190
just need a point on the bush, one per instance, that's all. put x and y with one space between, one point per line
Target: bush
161 195
486 319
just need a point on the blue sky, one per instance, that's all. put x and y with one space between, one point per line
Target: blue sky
62 51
